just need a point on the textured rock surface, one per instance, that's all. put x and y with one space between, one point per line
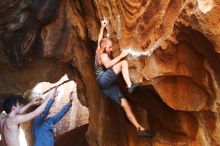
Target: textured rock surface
75 136
78 114
174 48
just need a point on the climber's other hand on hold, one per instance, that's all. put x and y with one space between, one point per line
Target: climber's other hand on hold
124 53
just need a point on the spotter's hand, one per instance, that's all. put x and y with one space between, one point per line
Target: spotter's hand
71 96
37 101
53 93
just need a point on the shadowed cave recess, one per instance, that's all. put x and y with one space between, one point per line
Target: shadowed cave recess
174 54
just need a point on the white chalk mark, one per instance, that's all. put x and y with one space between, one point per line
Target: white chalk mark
205 5
152 47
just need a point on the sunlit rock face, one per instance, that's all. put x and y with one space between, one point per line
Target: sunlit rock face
174 54
76 116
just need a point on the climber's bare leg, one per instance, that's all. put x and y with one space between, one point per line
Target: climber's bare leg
129 113
122 66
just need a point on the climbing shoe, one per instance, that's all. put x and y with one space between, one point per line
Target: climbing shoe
145 133
133 86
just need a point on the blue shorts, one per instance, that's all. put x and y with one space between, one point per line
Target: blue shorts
107 83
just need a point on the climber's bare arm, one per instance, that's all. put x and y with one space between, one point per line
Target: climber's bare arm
34 101
100 37
18 119
108 62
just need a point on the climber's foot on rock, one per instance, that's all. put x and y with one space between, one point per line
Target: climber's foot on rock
144 133
133 86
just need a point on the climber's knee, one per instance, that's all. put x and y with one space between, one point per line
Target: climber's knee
124 63
124 103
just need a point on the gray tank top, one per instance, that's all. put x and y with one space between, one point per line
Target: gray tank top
99 69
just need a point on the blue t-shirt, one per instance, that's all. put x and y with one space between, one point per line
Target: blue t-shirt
43 128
